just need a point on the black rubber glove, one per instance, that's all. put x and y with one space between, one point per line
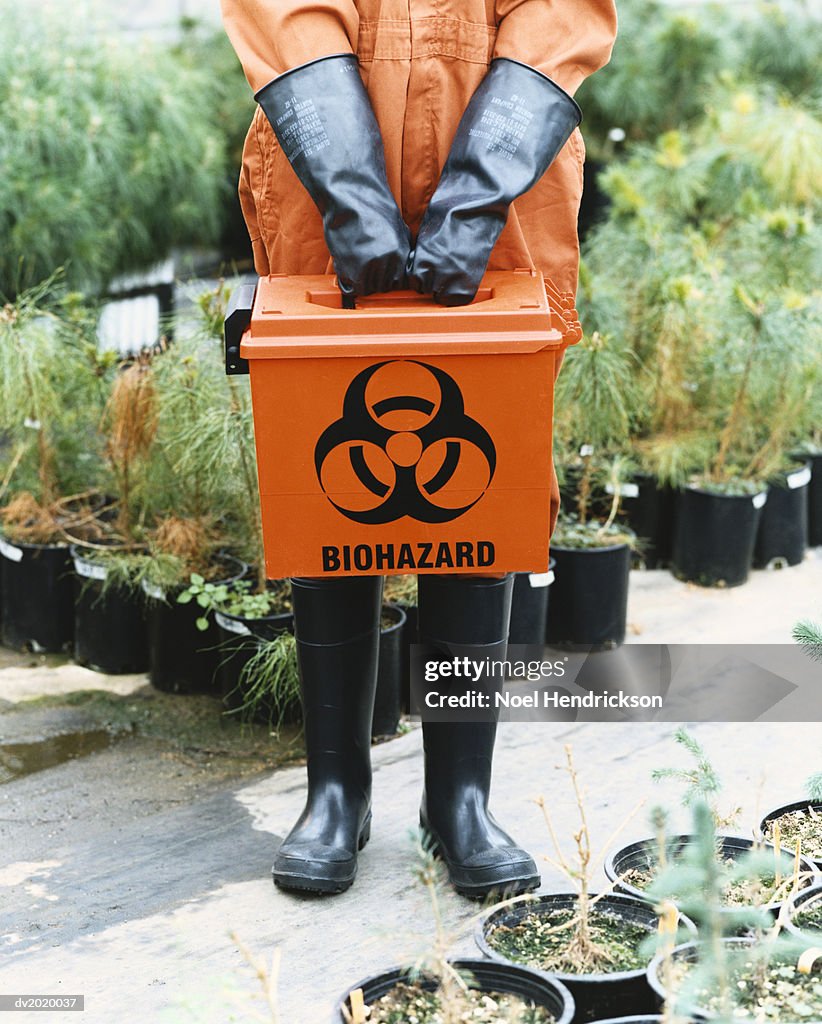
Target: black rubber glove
514 126
322 117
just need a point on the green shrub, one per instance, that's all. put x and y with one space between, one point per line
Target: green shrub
109 149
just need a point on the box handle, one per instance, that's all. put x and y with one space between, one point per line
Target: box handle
236 323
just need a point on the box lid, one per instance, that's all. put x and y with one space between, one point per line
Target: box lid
303 316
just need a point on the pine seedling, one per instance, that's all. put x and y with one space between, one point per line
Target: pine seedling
809 635
814 787
702 782
583 953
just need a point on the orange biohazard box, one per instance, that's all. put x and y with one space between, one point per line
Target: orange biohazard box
402 436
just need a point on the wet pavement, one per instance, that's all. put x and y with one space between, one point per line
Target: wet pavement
137 830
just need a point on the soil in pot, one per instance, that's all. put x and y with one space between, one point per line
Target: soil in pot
183 658
589 597
408 1002
612 982
782 535
798 822
762 991
388 699
634 868
529 612
110 632
497 993
714 536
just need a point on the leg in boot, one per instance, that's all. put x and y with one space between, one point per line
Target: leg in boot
468 616
337 626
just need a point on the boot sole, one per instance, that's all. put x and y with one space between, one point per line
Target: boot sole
326 886
503 888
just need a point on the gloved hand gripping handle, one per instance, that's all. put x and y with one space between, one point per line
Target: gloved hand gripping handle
322 117
514 126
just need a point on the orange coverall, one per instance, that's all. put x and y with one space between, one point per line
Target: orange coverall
421 61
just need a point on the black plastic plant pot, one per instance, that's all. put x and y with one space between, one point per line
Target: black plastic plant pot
110 632
597 996
810 897
714 536
529 611
238 641
641 1019
545 992
648 509
642 856
815 501
782 536
182 658
688 952
410 635
37 597
797 807
388 700
589 597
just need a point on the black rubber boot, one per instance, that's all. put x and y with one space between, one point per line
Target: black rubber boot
467 616
337 626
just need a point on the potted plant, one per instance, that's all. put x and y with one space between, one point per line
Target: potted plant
109 609
595 408
766 976
748 873
592 560
799 823
50 396
596 944
206 521
436 988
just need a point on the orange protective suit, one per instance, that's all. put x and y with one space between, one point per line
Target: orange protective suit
421 61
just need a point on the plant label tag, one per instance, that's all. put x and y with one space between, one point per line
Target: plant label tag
10 551
89 570
799 478
759 499
31 423
231 626
153 591
585 450
626 490
541 579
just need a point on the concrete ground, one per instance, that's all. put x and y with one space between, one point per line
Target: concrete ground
137 871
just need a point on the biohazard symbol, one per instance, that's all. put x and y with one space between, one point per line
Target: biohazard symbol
404 446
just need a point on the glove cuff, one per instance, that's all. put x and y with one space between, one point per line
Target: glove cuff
558 88
258 96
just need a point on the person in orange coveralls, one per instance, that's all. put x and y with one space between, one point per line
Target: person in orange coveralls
410 143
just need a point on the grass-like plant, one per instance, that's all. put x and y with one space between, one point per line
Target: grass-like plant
53 387
110 151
